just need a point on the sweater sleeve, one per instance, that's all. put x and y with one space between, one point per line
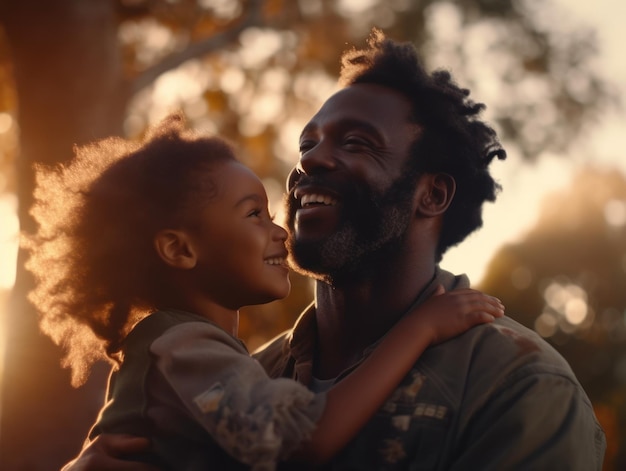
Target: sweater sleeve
257 420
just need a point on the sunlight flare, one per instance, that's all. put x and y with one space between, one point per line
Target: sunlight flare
9 232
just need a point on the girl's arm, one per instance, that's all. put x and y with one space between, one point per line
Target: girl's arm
353 401
108 452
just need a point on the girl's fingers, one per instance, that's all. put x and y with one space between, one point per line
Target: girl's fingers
483 302
439 290
478 317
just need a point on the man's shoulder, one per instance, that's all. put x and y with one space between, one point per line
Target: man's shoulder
500 352
490 356
274 354
505 341
277 355
495 365
503 380
509 338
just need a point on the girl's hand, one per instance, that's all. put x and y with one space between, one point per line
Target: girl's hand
447 315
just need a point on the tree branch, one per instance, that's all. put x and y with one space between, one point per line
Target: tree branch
197 49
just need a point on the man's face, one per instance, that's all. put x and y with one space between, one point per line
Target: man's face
349 203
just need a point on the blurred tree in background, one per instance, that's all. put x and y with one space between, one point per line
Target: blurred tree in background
566 280
254 71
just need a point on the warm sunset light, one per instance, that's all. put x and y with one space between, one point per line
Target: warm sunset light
526 186
552 74
9 228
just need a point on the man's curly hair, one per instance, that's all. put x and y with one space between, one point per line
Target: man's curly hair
453 140
93 259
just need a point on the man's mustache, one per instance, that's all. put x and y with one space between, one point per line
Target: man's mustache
346 189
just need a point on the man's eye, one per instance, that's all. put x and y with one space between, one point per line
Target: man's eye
355 141
306 145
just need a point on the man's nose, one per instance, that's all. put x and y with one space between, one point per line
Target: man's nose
318 158
315 160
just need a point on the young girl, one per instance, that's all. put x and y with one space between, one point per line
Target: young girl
144 256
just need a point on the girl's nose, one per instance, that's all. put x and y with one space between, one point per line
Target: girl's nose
279 232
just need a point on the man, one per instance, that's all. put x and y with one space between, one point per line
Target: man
394 171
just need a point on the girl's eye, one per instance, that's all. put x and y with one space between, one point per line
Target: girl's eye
257 213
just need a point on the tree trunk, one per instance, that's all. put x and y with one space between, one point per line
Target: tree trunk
71 90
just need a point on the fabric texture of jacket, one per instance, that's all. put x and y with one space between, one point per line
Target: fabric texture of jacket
194 390
496 398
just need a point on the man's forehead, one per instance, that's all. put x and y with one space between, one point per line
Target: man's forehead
365 102
364 93
366 106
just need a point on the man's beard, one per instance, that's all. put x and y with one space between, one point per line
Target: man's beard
372 229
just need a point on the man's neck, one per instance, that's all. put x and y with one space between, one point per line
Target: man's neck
353 316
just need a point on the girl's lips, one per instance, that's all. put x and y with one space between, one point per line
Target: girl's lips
275 261
278 258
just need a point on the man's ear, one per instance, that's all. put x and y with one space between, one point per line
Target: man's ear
434 194
175 249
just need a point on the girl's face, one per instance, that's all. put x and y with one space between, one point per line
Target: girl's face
241 254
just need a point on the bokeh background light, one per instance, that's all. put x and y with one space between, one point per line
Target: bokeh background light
552 73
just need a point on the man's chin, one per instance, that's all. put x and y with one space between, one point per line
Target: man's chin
303 260
324 260
307 259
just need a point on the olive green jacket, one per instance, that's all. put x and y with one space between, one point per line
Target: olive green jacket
496 398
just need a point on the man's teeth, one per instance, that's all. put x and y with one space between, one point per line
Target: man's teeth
319 199
275 261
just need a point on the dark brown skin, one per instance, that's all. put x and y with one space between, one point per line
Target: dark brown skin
348 316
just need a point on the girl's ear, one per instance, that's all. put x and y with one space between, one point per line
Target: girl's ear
434 194
175 249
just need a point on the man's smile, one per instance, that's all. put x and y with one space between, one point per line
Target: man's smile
316 199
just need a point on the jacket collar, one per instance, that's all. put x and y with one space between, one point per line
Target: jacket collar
301 340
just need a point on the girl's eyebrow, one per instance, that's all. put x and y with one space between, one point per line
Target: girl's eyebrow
255 197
